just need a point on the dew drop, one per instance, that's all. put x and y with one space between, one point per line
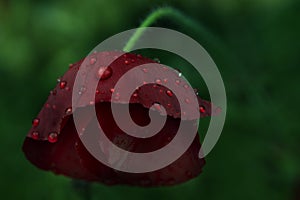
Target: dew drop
165 80
35 135
179 73
177 81
52 137
196 91
62 84
126 62
202 109
158 81
47 105
97 92
132 60
82 90
112 90
117 97
68 111
186 86
35 122
93 61
187 100
92 103
58 80
135 94
145 70
104 73
53 92
169 105
169 93
156 60
157 106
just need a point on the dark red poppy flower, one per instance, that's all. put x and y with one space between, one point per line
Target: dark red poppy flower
53 142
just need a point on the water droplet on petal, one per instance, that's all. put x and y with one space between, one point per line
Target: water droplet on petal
35 135
47 105
97 92
93 61
62 84
145 70
186 86
196 91
104 73
177 81
68 110
52 137
132 60
202 109
35 122
53 92
156 60
126 62
178 72
169 93
157 106
135 94
82 90
158 81
187 100
112 90
58 80
169 105
165 80
117 97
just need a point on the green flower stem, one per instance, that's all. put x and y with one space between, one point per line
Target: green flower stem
174 15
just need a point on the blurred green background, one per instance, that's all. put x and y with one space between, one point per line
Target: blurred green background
257 156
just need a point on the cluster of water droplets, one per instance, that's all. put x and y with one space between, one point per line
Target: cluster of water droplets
105 73
52 137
